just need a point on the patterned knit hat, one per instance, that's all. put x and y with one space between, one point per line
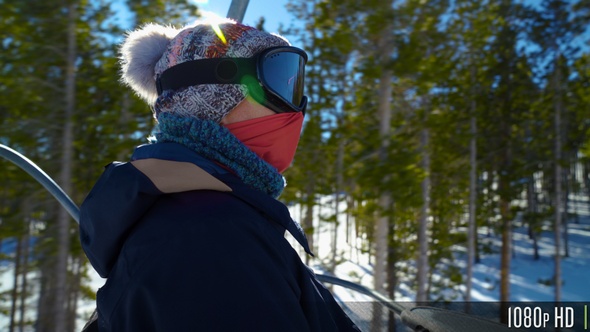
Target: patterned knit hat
149 51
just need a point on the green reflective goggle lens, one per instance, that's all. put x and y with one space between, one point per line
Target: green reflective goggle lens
275 77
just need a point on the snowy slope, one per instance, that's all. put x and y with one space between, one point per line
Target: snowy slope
528 277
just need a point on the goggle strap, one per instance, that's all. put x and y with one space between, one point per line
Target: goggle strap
206 71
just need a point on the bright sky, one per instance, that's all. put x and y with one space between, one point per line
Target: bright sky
273 11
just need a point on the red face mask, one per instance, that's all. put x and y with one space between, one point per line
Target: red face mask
273 138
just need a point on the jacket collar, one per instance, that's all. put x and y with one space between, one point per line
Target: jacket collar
173 168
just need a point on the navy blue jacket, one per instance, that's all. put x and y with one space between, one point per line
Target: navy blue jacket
186 246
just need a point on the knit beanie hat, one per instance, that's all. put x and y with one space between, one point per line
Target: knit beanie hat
147 52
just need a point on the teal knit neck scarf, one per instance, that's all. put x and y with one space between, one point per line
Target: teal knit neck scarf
213 141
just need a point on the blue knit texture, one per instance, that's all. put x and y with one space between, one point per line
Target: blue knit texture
213 141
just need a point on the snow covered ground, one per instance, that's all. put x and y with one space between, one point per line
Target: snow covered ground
528 277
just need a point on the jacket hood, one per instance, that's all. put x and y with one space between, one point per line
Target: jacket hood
126 191
123 194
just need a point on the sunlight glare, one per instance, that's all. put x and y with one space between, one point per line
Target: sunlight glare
214 20
219 33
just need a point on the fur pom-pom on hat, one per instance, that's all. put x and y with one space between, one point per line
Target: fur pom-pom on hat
139 54
149 51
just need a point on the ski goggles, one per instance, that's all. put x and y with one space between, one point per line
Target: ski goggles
274 77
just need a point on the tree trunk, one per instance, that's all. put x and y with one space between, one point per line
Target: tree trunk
308 217
385 114
63 219
471 228
350 221
575 186
385 200
505 259
24 274
532 209
383 221
337 199
586 173
381 235
422 262
14 294
382 226
558 182
392 276
124 119
564 219
74 291
46 300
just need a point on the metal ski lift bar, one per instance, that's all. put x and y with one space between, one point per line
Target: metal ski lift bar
423 318
237 10
38 174
388 303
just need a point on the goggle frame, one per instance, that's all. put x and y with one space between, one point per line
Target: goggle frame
237 71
